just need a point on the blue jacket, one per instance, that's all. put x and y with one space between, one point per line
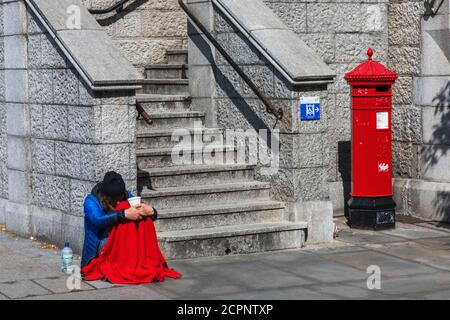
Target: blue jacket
97 224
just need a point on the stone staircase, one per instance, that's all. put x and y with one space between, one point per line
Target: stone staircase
204 210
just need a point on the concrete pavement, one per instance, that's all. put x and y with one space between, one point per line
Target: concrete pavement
414 260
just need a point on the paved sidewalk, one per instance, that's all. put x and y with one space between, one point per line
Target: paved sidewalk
414 260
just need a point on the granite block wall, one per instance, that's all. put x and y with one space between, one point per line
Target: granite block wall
60 138
145 29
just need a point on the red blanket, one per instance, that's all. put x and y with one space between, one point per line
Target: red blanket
130 256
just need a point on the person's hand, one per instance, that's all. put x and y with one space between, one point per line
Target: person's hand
133 214
147 210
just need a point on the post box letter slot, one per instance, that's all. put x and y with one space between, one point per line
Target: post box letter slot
382 88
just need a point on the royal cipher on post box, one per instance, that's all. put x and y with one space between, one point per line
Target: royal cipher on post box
371 204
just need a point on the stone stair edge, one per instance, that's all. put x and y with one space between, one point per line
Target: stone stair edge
167 66
205 189
148 97
176 114
230 231
243 206
176 51
165 81
150 152
182 170
169 132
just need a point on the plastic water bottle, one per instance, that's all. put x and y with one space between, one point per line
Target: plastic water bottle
66 259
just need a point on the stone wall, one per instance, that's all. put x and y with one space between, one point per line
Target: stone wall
61 136
340 32
145 29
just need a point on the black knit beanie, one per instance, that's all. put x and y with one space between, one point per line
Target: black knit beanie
113 185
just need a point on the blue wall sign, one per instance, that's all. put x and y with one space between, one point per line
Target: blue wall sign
309 108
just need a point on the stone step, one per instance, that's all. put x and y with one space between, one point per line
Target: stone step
179 176
167 71
223 215
162 157
229 240
177 56
165 86
163 103
170 120
163 138
200 195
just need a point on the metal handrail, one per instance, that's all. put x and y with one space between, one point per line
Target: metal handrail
278 113
142 113
118 6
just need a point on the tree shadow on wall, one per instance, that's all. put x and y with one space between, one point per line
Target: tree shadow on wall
442 205
438 147
104 22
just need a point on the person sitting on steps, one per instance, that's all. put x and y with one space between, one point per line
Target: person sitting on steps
120 243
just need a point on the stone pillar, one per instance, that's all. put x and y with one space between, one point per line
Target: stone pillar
15 56
426 193
301 179
404 21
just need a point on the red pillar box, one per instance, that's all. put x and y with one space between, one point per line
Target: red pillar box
371 204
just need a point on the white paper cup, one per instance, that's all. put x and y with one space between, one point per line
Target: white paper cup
134 201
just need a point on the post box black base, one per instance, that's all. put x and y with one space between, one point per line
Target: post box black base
371 213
